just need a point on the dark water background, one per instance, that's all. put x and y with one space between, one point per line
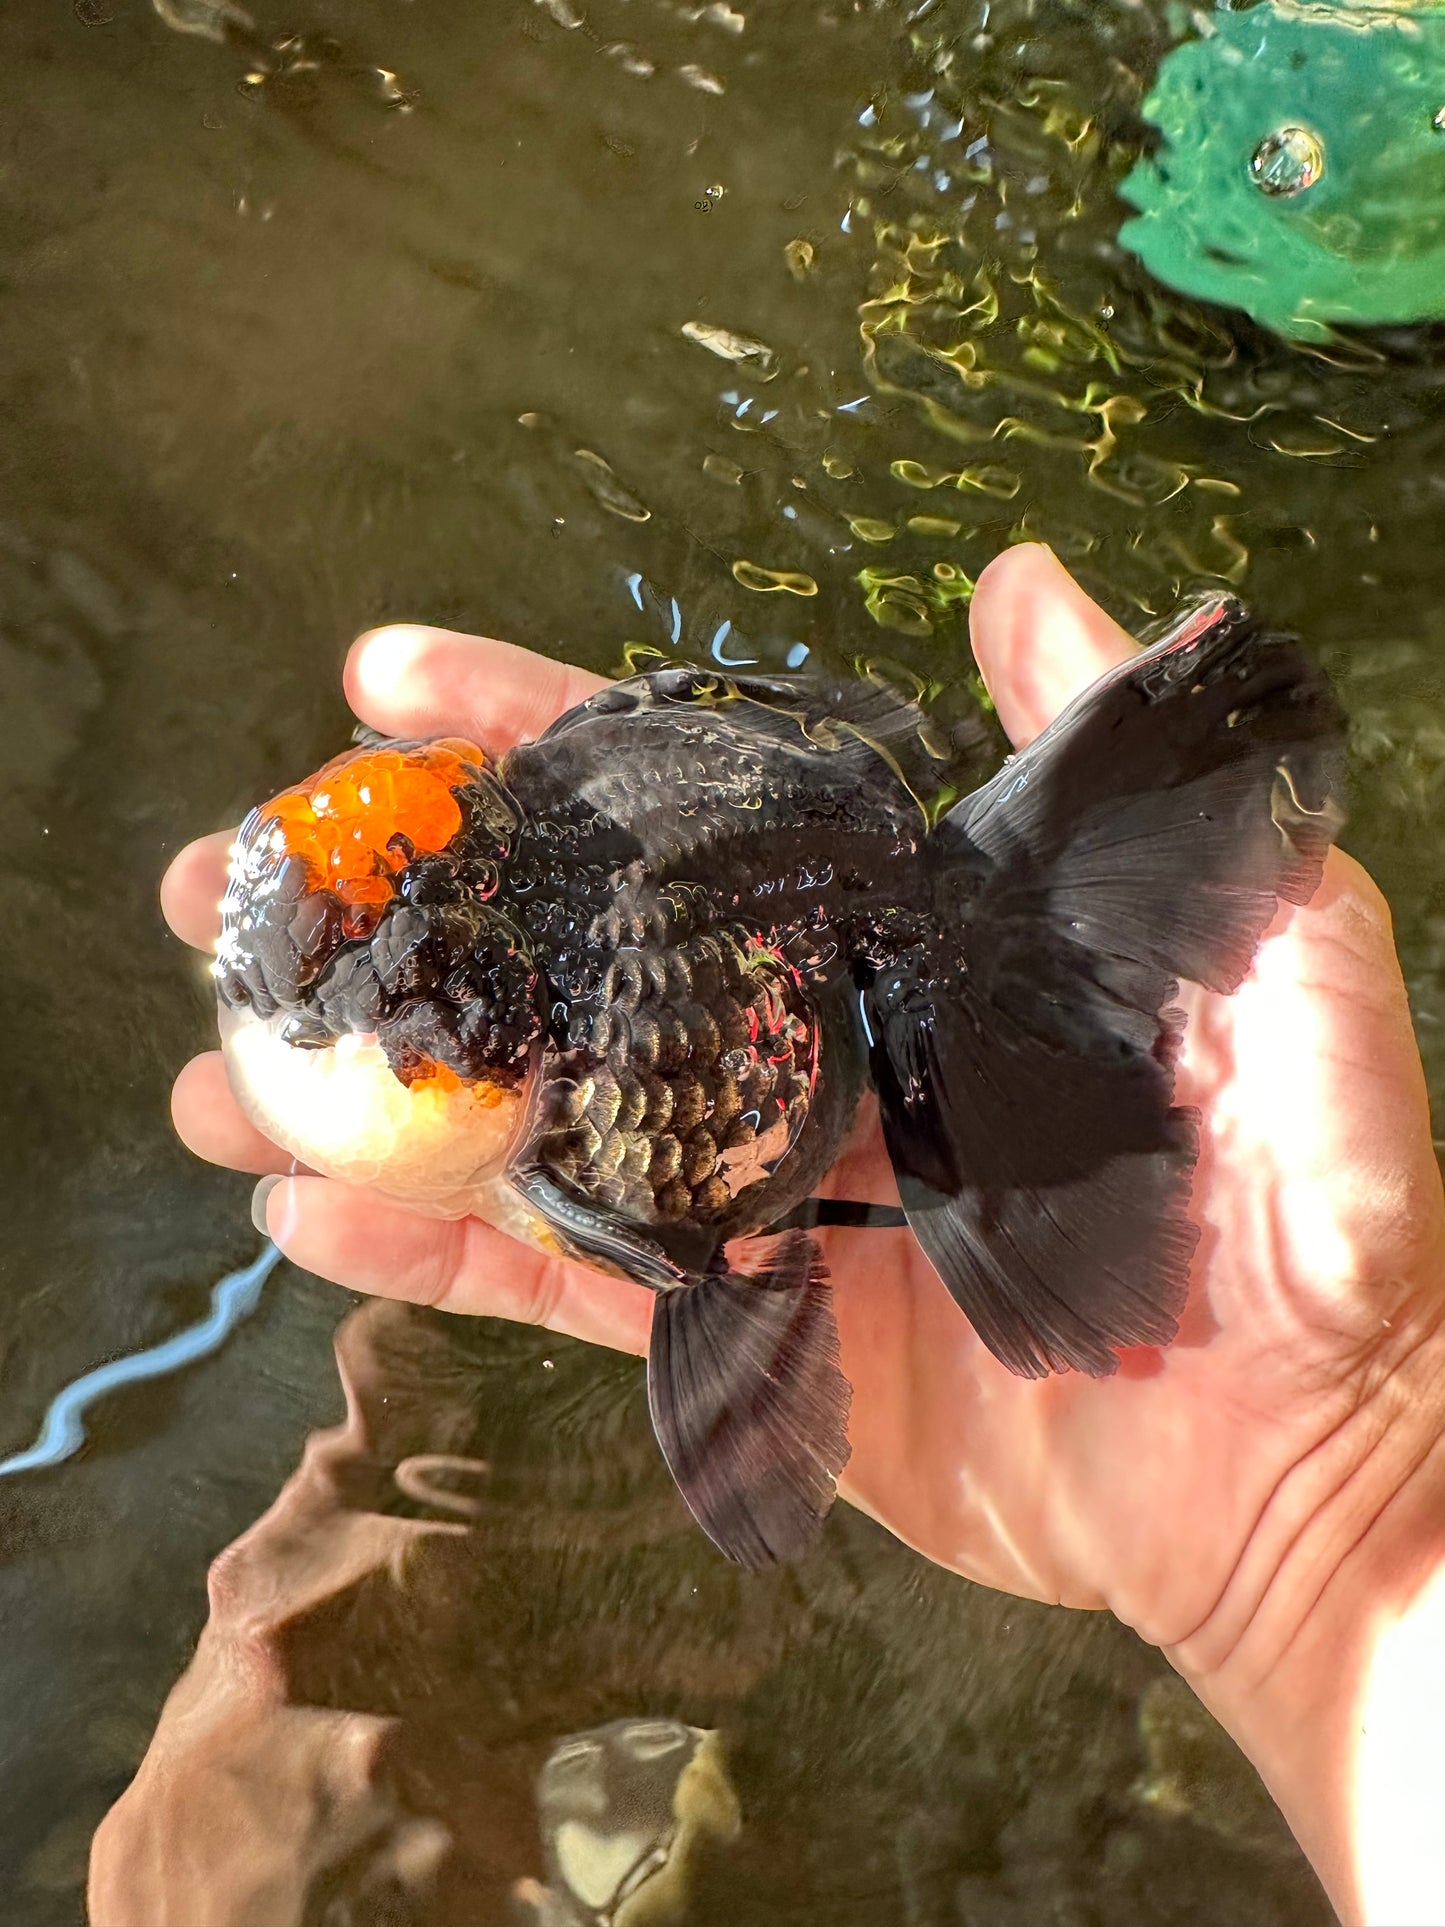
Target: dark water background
292 342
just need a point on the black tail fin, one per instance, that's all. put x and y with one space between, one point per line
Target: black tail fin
1027 1096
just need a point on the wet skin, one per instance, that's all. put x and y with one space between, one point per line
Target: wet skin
1208 1493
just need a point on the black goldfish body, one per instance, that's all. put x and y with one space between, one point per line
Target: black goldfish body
620 993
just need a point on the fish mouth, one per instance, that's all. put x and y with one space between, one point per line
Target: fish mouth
435 1143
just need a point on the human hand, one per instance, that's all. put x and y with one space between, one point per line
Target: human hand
1208 1491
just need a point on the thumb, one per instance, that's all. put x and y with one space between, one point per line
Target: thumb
1038 639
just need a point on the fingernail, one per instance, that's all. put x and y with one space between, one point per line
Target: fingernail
260 1197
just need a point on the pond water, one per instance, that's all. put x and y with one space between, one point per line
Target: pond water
748 332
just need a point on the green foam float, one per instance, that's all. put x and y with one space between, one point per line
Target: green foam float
1302 171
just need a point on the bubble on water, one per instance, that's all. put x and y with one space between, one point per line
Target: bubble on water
717 14
565 15
393 93
743 349
983 478
1287 161
209 18
752 575
914 604
631 62
606 487
869 528
729 659
800 256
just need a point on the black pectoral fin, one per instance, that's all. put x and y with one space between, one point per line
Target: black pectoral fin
867 713
749 1402
592 1233
1047 1181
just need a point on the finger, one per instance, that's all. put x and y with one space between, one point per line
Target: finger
457 1265
406 680
1038 639
209 1121
192 888
1341 947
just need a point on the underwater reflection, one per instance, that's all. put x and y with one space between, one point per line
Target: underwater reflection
334 1752
621 1810
423 1698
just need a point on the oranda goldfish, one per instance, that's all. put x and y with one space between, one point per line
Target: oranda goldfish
619 992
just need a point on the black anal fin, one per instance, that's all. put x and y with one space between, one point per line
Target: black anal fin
749 1401
597 1235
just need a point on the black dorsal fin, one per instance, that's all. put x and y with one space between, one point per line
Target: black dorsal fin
875 736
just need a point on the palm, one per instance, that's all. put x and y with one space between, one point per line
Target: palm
1317 1193
1319 1199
